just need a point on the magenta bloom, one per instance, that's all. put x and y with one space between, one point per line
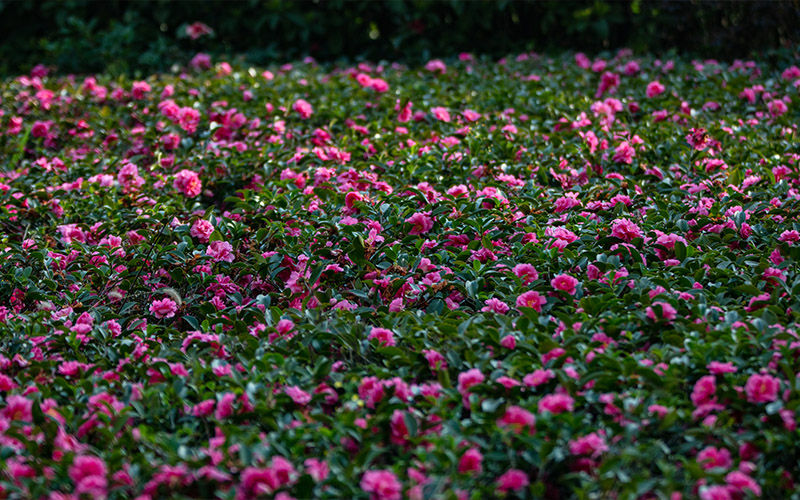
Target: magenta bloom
385 337
382 485
761 388
624 153
565 283
556 403
441 114
469 378
526 272
654 88
303 108
625 230
531 299
513 480
668 312
704 390
201 229
421 223
220 251
164 308
471 461
496 306
517 419
188 183
298 395
710 458
18 408
592 444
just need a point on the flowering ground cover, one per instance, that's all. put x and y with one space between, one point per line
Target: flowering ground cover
560 278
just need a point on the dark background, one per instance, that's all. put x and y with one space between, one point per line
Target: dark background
82 36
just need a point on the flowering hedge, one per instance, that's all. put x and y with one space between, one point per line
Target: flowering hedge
527 278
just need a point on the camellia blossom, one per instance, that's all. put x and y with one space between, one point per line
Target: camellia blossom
496 306
761 388
513 480
382 485
471 462
441 114
164 308
188 183
220 251
384 337
531 299
421 223
625 230
303 108
518 420
565 283
592 444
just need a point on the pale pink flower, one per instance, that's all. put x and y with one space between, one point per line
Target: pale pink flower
385 337
495 305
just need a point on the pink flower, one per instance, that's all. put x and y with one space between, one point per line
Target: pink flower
513 480
188 183
220 251
715 492
303 108
624 153
704 390
469 378
84 466
654 88
201 229
592 444
625 230
201 61
385 337
556 403
496 306
317 469
667 313
517 419
435 360
298 395
526 272
717 368
740 481
471 461
225 406
441 114
382 484
565 283
762 388
777 107
538 377
420 222
18 408
509 342
710 458
164 308
791 236
198 29
531 299
435 65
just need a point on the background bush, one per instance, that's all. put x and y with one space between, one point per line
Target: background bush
119 36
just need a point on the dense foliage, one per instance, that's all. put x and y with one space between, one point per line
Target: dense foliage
534 277
121 36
